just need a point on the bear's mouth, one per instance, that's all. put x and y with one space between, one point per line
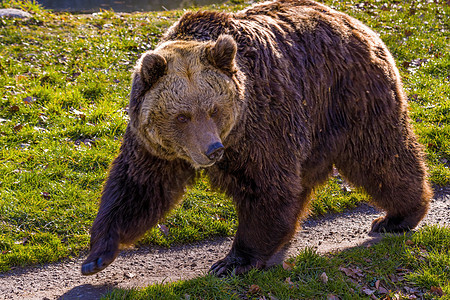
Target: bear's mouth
198 160
203 166
203 162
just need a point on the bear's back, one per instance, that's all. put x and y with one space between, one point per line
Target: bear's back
302 60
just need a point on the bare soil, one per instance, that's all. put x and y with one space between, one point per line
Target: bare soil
146 265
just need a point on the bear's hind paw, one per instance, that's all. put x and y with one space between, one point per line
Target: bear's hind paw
391 224
230 267
222 269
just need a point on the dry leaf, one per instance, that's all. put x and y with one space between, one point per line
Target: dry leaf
45 195
437 290
402 270
347 271
272 297
352 272
79 114
411 290
288 266
289 282
75 75
323 277
14 108
393 278
377 284
368 291
164 229
254 289
29 100
409 242
18 127
20 78
382 290
24 241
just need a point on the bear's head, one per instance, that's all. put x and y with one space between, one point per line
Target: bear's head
186 99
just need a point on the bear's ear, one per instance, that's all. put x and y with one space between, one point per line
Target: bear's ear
152 67
222 53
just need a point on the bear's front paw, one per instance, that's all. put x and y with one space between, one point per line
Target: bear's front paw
97 262
231 265
390 224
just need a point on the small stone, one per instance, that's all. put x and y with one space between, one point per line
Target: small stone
324 277
14 13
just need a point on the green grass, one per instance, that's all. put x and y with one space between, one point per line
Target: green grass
64 85
399 267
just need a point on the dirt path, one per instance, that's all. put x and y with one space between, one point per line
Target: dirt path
148 265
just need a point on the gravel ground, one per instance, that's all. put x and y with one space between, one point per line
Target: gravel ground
147 265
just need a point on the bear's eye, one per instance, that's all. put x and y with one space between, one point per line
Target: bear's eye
214 112
182 118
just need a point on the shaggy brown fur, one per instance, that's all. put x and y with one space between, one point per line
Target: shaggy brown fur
267 100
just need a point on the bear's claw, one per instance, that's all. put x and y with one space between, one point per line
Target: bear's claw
92 267
230 266
222 269
103 253
389 224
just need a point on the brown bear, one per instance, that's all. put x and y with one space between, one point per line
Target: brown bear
267 101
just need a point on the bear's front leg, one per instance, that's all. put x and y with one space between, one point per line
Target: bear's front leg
140 189
266 223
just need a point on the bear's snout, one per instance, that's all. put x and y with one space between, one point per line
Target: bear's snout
215 151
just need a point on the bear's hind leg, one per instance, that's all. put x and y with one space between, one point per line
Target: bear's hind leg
393 173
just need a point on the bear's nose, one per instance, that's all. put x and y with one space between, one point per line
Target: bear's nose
215 151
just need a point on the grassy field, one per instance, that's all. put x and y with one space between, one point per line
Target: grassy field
400 267
64 84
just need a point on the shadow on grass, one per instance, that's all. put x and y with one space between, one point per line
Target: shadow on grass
87 292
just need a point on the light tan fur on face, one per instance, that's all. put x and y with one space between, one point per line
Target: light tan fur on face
195 89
